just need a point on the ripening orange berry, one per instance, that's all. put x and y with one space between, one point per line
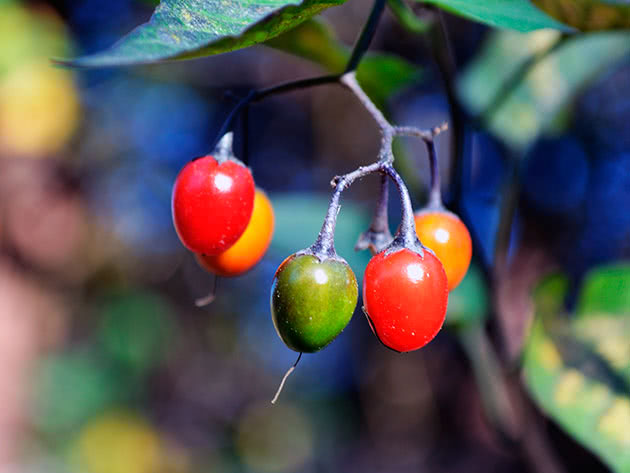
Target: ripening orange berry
444 233
250 247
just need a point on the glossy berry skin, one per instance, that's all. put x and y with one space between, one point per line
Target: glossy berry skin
212 204
445 234
312 301
250 247
405 297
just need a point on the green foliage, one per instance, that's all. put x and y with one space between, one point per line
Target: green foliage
135 329
407 18
546 90
578 370
181 29
381 75
518 15
606 290
70 388
468 303
588 15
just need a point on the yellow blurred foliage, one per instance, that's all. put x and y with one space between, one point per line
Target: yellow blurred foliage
118 442
39 104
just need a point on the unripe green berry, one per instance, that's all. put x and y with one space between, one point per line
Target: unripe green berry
312 301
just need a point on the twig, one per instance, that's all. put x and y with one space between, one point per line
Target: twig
284 378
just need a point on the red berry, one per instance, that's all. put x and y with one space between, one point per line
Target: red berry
448 237
405 297
212 204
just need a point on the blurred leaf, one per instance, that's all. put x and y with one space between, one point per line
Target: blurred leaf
381 75
606 290
119 442
184 29
518 15
316 41
299 218
275 440
588 15
578 371
548 87
136 329
69 388
468 303
407 18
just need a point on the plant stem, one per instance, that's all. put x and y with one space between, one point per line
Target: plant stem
366 36
377 237
435 193
359 50
445 59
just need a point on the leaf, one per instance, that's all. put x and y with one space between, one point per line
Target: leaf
518 15
183 29
606 290
547 89
589 15
578 370
407 18
468 303
381 75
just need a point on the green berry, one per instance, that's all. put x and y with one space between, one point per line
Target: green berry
312 301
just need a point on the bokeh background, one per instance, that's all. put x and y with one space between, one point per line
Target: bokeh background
107 365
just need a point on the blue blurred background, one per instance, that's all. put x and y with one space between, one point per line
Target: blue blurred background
108 367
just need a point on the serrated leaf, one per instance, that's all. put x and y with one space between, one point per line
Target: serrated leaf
589 15
381 75
578 371
183 29
518 15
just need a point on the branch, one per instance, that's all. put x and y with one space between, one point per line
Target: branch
359 50
406 235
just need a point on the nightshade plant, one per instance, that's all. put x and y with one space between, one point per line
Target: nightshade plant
307 320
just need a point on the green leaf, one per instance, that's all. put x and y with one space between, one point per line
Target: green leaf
182 29
547 89
589 15
408 18
578 369
518 15
606 290
380 75
468 303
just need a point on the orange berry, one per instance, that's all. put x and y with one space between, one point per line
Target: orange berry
250 247
445 234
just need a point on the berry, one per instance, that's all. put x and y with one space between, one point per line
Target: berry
212 204
447 236
312 301
250 247
405 296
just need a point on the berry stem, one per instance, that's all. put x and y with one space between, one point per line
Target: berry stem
378 236
324 246
435 192
359 50
406 236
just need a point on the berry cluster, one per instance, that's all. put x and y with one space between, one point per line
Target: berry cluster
220 215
